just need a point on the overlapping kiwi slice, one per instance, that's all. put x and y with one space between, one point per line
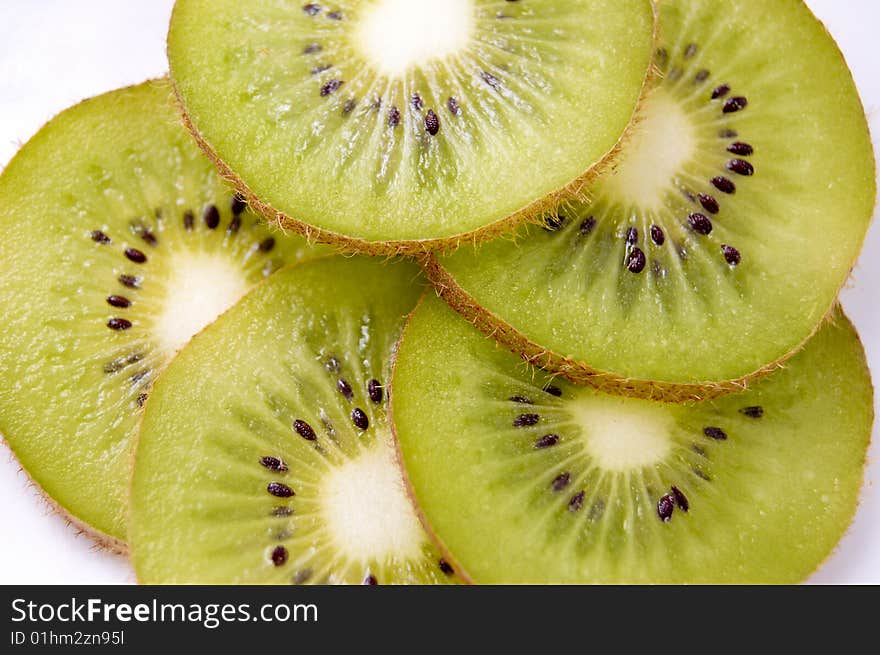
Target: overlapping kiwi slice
406 125
266 455
528 479
721 238
118 241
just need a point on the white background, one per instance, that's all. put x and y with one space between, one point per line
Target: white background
54 53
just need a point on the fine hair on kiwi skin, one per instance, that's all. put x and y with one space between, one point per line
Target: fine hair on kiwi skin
501 315
591 529
537 212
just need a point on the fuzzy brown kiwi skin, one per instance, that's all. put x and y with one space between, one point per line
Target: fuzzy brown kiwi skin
398 456
536 212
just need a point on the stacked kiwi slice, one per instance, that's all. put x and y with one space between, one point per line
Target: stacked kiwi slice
478 291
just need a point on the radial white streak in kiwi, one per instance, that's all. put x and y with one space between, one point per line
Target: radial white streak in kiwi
662 142
366 508
623 434
397 35
199 289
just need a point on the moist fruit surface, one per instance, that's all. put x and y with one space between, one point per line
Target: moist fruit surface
266 455
401 125
527 479
118 242
722 236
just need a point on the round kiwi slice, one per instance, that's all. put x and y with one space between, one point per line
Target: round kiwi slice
526 479
118 241
266 456
720 240
407 125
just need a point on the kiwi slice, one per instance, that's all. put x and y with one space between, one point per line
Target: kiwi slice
720 240
406 125
265 455
527 479
118 241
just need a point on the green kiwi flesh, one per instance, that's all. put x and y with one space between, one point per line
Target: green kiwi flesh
351 122
527 479
266 456
118 241
720 240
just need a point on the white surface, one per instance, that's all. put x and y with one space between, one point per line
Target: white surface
56 52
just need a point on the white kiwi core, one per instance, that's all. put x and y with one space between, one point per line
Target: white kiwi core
662 142
623 434
398 35
366 508
199 289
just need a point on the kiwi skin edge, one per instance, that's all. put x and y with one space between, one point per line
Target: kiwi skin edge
536 212
444 549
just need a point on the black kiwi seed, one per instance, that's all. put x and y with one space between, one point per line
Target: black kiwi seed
140 375
740 148
520 399
561 481
141 399
735 104
135 255
330 86
345 389
279 556
312 9
317 70
709 203
681 500
130 281
312 48
662 56
741 166
727 133
304 430
657 235
99 237
588 225
234 225
267 244
273 464
148 237
731 255
547 441
118 364
280 490
755 411
700 223
665 507
336 15
690 51
715 433
119 324
333 365
636 261
525 420
701 76
576 501
632 236
212 217
416 102
491 80
359 418
446 567
554 223
453 106
118 301
724 185
189 221
553 390
393 117
675 74
370 580
349 105
374 390
238 204
432 123
720 91
281 511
